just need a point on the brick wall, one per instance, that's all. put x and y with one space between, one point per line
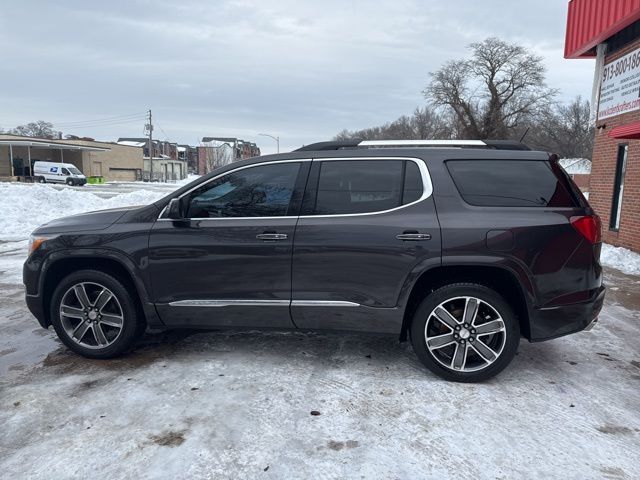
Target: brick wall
582 180
603 171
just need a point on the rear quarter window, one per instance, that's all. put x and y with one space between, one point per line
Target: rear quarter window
510 183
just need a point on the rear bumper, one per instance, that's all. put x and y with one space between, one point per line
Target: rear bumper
548 323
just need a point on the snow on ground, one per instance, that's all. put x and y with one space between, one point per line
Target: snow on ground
26 206
620 258
238 404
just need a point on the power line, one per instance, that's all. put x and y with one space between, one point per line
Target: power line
119 118
98 125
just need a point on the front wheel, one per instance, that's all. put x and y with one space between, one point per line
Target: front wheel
94 315
70 182
465 332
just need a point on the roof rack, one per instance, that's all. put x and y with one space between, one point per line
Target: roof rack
353 144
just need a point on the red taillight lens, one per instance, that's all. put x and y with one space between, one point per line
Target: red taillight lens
589 227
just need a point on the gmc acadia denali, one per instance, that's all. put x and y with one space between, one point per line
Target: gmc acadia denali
461 246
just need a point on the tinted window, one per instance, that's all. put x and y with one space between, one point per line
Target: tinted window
358 186
509 183
263 191
412 183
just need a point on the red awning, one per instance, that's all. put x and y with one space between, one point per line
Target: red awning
630 131
591 22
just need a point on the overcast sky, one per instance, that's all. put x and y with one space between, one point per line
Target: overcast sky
301 70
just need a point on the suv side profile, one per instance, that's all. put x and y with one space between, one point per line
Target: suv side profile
461 246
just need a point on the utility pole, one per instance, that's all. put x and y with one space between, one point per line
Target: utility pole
150 129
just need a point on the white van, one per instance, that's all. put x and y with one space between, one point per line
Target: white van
58 173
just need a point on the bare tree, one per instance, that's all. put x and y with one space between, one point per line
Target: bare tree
492 93
39 129
422 124
563 129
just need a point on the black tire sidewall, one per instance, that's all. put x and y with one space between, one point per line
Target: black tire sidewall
70 182
131 328
442 294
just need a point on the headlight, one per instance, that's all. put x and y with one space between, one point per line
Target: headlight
36 240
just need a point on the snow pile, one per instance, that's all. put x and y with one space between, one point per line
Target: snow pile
26 206
575 166
178 183
620 258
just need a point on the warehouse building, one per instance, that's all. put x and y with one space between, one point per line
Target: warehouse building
168 164
108 160
609 32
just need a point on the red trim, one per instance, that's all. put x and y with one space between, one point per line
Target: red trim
590 22
629 131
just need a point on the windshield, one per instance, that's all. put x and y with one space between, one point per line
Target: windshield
75 171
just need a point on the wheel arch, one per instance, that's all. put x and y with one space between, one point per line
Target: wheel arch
499 278
60 266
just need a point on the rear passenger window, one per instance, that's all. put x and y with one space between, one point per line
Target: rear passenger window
412 183
509 183
364 186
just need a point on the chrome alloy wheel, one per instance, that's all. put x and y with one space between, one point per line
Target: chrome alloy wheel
91 315
465 334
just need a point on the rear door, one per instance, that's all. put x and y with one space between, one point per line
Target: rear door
365 224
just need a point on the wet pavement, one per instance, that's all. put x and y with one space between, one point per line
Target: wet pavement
292 405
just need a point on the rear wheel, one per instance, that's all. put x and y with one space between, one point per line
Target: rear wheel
94 315
465 332
42 180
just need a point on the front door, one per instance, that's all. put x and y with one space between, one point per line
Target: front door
365 224
228 263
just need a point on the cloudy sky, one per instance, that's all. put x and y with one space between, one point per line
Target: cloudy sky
301 70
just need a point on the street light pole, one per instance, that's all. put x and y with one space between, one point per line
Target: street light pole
277 139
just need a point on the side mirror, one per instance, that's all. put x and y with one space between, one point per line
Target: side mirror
174 210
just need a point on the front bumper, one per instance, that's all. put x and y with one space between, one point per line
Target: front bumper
35 306
548 323
33 294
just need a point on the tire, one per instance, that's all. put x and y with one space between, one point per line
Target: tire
70 182
42 180
103 322
462 354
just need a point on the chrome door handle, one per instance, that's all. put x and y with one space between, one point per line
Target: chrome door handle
413 236
271 236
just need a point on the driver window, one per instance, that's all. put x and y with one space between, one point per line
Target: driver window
261 191
65 171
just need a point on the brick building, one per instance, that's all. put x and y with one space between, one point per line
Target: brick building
215 152
609 31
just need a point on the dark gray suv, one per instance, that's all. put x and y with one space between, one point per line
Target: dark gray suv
462 246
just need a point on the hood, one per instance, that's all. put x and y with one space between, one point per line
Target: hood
84 222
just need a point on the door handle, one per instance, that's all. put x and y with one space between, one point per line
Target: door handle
413 236
271 236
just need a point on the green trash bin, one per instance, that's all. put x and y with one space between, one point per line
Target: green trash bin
95 180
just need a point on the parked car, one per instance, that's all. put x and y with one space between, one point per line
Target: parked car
55 172
463 247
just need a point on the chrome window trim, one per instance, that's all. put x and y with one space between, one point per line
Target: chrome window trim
262 303
427 189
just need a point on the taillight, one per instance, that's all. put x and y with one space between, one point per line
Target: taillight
589 227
